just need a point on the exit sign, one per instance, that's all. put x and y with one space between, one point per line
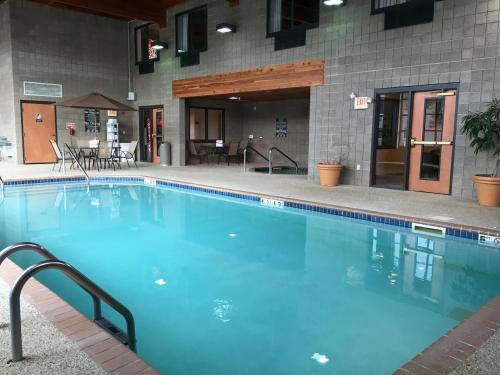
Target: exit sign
361 102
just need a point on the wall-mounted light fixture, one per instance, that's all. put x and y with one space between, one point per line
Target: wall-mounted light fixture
352 96
225 28
334 2
157 45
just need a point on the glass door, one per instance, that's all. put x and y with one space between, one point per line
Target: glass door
433 130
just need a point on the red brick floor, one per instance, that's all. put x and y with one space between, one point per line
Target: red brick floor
109 353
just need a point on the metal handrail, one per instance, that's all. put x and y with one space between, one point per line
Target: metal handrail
285 155
9 250
77 162
2 184
245 156
77 277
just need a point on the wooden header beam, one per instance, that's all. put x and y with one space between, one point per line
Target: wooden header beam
144 10
302 74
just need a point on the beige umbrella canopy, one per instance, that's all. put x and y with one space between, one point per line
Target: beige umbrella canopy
95 101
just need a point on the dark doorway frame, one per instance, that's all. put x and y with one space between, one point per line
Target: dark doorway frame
141 111
410 90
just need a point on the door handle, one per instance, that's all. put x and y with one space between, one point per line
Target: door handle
414 142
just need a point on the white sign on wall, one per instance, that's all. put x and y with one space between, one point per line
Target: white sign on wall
361 102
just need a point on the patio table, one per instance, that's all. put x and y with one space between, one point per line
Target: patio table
87 151
213 151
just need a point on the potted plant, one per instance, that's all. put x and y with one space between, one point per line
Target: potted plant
483 129
329 172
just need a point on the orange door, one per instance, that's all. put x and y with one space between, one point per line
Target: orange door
39 127
157 133
433 129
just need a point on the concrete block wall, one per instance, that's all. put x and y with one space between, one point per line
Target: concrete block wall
461 45
83 52
6 78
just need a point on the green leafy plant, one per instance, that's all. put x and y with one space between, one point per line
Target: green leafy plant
483 130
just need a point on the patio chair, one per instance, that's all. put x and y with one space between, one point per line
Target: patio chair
130 153
106 154
59 155
232 152
194 153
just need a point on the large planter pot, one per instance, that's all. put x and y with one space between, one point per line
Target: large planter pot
488 190
329 174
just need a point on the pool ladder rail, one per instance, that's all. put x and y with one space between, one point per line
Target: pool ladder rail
96 293
268 159
75 160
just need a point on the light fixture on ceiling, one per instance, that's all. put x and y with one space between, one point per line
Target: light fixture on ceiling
225 28
235 98
334 2
157 45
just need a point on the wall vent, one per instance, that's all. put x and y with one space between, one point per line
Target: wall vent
52 90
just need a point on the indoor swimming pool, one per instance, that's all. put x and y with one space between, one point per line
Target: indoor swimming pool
220 285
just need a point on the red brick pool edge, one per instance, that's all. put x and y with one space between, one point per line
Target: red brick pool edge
452 349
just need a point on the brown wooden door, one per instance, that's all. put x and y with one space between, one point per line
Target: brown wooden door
431 152
157 136
39 127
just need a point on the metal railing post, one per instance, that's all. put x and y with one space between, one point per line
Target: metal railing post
244 160
270 161
78 278
77 163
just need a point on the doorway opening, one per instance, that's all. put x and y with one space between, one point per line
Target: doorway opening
38 121
413 135
151 132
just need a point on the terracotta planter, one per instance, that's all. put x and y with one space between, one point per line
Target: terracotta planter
329 174
488 190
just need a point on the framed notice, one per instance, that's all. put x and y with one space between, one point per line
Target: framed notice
92 120
281 127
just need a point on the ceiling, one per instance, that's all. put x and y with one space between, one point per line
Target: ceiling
263 96
145 10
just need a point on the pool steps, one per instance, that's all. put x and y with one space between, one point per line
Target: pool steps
97 294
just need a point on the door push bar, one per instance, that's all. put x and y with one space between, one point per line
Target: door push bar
414 142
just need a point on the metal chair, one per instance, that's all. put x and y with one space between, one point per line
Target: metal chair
59 155
194 153
130 153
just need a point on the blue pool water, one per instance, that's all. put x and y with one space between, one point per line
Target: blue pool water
220 286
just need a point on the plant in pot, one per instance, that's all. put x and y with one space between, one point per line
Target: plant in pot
483 130
329 172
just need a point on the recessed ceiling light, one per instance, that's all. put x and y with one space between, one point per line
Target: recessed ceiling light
232 234
234 98
334 2
225 28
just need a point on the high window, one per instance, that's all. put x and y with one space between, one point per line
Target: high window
288 20
145 54
191 35
379 6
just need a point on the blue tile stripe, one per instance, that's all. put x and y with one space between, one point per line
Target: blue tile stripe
450 231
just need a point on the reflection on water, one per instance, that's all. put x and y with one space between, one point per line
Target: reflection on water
252 289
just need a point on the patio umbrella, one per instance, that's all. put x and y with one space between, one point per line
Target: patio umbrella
95 100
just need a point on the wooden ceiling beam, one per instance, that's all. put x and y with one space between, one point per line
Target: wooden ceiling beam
146 10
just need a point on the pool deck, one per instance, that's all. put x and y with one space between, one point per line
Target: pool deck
431 208
472 347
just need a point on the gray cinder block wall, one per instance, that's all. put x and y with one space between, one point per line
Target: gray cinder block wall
83 52
460 45
6 78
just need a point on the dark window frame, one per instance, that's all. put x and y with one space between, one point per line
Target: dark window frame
177 16
206 140
137 62
303 27
383 9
